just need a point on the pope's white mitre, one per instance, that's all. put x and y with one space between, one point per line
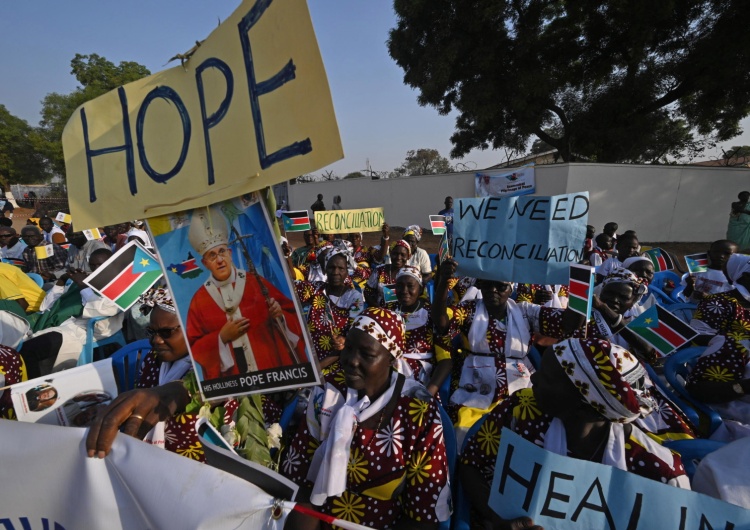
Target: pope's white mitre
208 229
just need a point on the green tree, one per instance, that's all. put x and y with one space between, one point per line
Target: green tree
355 175
97 76
21 160
612 78
737 151
423 162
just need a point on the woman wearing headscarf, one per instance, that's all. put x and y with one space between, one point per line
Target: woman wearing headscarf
644 269
385 275
721 375
333 306
419 257
375 437
586 396
419 360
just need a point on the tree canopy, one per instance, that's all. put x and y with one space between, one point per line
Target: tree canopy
21 161
607 80
97 76
423 162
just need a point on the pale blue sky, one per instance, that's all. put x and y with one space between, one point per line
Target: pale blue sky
378 116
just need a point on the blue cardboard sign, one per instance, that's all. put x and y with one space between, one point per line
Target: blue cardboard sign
567 493
527 239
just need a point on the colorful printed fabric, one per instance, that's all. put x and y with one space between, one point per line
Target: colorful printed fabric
724 315
382 275
385 326
12 371
157 297
362 254
180 436
527 291
397 469
328 316
520 413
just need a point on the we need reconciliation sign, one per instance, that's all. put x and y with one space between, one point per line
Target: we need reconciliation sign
527 239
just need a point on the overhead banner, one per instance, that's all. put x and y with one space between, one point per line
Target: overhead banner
347 221
520 239
136 486
249 108
234 298
570 494
505 183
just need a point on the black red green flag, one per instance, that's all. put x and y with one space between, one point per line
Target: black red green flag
662 330
660 258
581 287
296 221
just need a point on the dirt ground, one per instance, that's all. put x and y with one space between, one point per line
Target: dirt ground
430 243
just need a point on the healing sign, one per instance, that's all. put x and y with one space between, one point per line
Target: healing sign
524 239
249 108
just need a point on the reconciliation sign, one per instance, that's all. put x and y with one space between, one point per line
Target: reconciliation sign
346 221
569 494
250 108
521 239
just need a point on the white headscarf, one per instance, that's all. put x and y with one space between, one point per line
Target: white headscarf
737 265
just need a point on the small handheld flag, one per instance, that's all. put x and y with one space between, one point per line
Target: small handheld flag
660 258
444 249
92 234
296 221
697 262
126 275
63 217
389 293
581 289
662 330
44 251
437 222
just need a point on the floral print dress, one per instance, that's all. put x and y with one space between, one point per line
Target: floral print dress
12 371
400 468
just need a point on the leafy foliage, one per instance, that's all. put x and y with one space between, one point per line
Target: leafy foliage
610 81
423 162
97 76
20 159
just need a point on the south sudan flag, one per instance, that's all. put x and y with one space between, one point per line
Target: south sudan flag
660 258
662 330
126 275
581 288
697 262
296 221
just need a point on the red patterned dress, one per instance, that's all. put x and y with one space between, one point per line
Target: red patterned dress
328 316
12 371
526 292
520 414
399 468
179 431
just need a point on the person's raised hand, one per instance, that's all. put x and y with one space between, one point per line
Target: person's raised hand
134 413
233 330
386 230
447 269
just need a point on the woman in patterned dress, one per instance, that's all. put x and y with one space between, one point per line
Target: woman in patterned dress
419 361
388 425
721 375
385 275
333 307
585 397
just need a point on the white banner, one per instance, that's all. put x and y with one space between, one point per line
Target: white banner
505 182
50 483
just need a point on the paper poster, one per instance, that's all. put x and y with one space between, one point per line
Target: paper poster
124 277
69 398
520 239
570 494
249 108
347 221
504 182
234 298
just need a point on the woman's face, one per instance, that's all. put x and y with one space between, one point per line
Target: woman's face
172 348
336 271
356 240
644 270
494 294
619 297
399 256
366 363
408 290
412 240
627 248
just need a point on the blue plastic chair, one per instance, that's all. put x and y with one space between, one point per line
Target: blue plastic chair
682 310
87 354
36 277
127 362
462 506
676 370
433 260
687 408
449 436
661 277
693 451
535 357
288 413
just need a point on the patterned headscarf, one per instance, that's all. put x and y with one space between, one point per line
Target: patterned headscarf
405 244
414 230
385 326
338 251
609 378
410 271
156 297
628 277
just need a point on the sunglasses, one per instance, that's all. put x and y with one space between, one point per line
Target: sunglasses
164 333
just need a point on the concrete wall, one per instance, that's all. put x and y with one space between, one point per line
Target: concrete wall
661 203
